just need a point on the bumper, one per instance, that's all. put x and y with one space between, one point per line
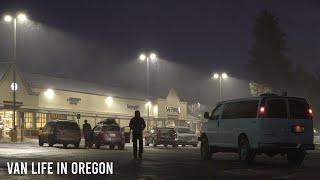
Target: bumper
113 141
284 147
187 142
162 141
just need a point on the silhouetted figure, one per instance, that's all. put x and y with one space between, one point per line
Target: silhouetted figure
87 132
137 125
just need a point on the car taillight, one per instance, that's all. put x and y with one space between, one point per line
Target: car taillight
310 112
261 111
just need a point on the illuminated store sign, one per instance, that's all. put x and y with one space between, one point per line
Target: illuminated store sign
134 107
173 109
73 100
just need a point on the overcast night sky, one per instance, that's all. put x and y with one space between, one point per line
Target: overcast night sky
100 41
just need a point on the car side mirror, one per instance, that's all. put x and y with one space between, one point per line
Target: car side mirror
206 115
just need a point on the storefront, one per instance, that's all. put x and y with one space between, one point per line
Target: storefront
37 103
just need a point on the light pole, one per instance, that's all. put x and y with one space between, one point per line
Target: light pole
143 57
14 86
220 77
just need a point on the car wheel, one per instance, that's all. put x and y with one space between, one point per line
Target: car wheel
112 146
195 145
245 153
121 146
65 145
76 145
165 145
205 149
296 158
50 143
174 145
40 142
97 145
154 143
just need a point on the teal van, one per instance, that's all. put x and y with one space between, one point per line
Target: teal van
268 124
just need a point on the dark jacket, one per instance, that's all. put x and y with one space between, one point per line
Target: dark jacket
137 124
86 129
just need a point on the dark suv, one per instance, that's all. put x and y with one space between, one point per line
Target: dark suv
161 135
108 132
60 132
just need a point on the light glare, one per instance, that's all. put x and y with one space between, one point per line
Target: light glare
109 100
153 56
224 75
142 57
49 93
7 18
216 76
22 17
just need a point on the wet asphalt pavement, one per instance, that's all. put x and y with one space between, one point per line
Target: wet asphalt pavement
157 163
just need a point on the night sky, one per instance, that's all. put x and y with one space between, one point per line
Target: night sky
100 41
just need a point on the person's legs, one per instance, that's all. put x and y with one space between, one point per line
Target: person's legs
134 140
140 146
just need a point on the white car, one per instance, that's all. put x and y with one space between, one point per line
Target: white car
186 136
268 124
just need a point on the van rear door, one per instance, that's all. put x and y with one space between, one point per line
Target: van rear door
300 121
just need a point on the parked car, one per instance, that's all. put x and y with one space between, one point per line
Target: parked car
186 136
268 124
108 132
60 132
161 135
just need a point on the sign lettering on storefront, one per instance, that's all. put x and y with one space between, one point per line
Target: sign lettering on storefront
173 109
73 100
134 107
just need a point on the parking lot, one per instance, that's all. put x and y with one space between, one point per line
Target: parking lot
157 163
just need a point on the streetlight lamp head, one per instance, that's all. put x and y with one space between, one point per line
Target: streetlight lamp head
216 76
224 75
7 18
142 57
22 17
153 56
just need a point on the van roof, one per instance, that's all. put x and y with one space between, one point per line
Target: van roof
259 98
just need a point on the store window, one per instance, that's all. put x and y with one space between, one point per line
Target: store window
41 120
28 120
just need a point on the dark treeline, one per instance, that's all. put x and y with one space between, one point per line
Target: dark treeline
272 71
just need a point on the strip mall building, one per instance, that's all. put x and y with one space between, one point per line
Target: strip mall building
42 98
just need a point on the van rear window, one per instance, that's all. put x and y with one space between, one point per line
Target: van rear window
298 109
276 108
242 109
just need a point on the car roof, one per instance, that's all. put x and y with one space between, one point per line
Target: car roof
179 127
261 97
62 120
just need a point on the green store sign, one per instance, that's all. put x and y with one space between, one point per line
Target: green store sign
73 100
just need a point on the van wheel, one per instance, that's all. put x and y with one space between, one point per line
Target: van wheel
205 149
65 145
76 145
111 146
40 142
296 158
245 153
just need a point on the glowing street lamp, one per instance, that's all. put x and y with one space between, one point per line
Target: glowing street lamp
220 77
14 86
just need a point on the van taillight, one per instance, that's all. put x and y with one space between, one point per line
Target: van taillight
261 111
310 112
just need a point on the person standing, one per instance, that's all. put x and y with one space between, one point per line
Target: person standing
137 125
87 134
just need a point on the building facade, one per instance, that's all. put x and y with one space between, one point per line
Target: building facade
38 103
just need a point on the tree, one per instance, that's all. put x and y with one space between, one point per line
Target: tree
257 89
268 65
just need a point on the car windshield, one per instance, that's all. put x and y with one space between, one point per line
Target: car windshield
110 128
184 130
166 131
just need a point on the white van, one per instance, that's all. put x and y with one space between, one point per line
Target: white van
267 124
